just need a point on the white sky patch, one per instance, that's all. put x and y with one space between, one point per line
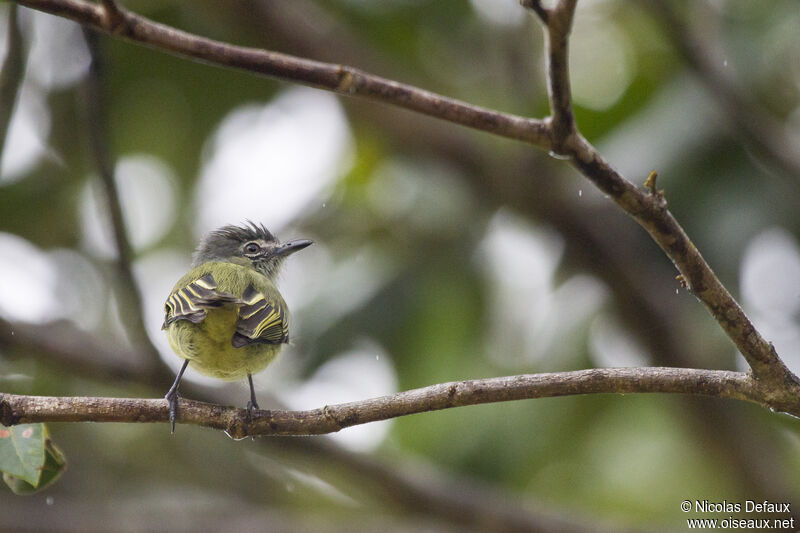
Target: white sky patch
268 162
27 281
678 118
610 345
770 284
770 273
147 192
527 311
320 290
601 62
364 372
26 141
81 289
520 261
500 12
58 57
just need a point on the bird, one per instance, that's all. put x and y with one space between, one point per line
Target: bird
225 317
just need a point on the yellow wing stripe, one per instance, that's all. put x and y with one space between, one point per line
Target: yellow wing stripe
260 320
206 283
246 314
274 319
190 302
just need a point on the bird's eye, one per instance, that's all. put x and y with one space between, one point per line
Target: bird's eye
252 248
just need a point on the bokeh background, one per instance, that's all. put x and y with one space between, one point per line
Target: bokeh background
440 254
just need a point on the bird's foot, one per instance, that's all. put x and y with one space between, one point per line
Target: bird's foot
172 397
251 406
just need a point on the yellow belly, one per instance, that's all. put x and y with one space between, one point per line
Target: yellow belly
208 347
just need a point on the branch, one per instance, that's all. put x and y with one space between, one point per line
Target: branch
341 79
11 72
16 409
562 120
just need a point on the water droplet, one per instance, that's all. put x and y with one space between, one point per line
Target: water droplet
234 438
49 500
725 63
677 291
377 357
563 157
324 204
580 193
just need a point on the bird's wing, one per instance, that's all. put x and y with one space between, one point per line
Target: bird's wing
191 302
261 320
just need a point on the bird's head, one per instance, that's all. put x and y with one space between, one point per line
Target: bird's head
250 242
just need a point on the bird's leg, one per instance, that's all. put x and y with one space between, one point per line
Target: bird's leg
252 404
172 395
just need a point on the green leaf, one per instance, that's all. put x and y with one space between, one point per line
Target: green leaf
29 460
22 451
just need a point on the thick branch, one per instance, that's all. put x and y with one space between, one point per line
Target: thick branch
338 78
15 409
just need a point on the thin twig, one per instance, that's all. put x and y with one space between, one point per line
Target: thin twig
11 73
562 119
16 409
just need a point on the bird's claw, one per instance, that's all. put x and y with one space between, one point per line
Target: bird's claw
251 406
172 398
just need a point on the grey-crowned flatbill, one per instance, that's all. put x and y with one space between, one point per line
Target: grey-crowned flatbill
225 318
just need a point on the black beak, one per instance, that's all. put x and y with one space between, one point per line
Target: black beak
291 247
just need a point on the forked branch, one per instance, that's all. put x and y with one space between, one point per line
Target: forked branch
650 211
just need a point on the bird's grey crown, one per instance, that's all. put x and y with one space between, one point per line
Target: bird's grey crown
226 242
250 231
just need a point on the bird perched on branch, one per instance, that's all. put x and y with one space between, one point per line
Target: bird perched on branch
225 317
